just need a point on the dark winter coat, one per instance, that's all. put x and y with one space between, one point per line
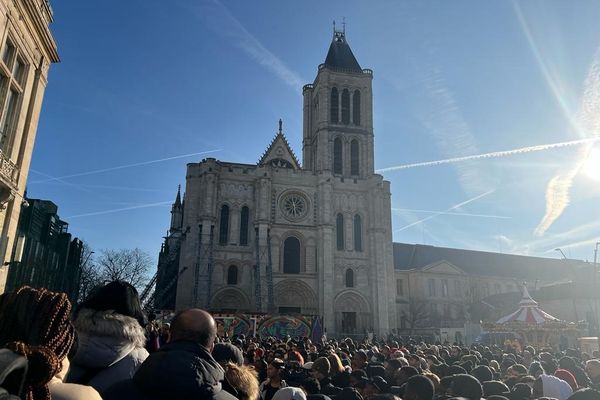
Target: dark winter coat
180 370
110 349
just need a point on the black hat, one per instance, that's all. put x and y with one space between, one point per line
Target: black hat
380 384
226 352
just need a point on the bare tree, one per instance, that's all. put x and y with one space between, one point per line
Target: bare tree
128 265
417 312
90 276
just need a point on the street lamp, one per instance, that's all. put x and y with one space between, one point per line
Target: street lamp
561 252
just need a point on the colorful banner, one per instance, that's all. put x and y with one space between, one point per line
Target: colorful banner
269 325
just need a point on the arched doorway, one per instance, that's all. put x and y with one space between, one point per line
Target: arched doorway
295 296
229 300
352 314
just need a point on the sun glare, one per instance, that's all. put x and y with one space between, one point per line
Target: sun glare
591 166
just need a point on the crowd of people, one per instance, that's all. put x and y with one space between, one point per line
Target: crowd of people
106 349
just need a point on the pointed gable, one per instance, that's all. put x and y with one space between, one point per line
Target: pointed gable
443 267
279 154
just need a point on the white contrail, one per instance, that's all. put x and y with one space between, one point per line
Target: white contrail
558 189
114 210
450 213
493 154
99 171
454 207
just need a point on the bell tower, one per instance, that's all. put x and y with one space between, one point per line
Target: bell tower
338 115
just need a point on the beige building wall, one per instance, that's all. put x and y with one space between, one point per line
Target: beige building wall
27 48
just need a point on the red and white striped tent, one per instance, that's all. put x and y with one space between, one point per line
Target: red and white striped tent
528 312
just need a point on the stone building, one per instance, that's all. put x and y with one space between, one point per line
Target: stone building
280 236
442 291
315 238
27 49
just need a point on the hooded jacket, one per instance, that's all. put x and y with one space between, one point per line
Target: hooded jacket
110 348
181 370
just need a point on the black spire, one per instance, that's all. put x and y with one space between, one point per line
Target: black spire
178 198
340 55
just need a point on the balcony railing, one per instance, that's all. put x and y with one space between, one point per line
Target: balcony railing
9 172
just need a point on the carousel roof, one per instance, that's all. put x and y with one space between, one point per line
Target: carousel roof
528 312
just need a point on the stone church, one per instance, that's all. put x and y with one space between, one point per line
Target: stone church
281 236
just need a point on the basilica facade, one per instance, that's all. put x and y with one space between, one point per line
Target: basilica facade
281 236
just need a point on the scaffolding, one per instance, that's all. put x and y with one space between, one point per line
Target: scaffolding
204 258
257 285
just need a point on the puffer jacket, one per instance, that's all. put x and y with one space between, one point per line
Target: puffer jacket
181 370
110 349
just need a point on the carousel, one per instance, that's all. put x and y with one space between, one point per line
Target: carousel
534 326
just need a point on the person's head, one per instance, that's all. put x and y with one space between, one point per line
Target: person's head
321 368
376 385
194 325
516 370
536 369
585 394
404 373
224 353
358 378
494 388
359 360
414 360
521 391
35 323
274 368
592 367
567 377
336 364
466 386
551 386
418 387
311 386
289 393
118 296
482 373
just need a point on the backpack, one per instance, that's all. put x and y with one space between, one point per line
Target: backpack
13 370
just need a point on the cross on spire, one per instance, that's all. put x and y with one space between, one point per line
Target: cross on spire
280 125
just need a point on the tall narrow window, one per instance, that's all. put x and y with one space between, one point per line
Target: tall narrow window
358 233
337 156
335 105
345 107
12 82
356 108
291 256
245 214
224 225
349 278
232 275
339 231
354 157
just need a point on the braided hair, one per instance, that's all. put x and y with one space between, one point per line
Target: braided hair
35 323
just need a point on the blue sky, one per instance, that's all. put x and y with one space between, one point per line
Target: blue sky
141 81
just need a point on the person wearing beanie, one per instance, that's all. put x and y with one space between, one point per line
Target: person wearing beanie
567 377
551 386
320 370
418 387
592 367
482 373
467 386
495 388
224 353
289 393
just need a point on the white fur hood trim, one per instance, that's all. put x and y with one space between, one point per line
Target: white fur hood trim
111 324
